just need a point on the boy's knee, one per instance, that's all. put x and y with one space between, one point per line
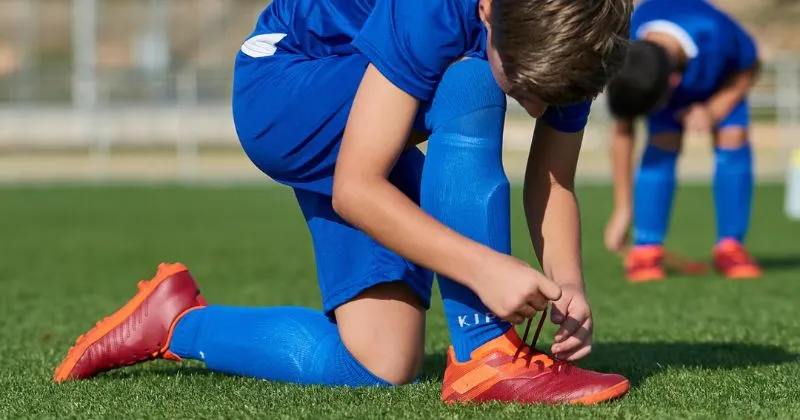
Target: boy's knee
398 365
731 138
667 142
395 367
467 89
384 329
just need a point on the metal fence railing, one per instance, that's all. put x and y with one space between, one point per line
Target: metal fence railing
100 75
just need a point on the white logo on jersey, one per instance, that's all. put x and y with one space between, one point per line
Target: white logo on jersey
262 45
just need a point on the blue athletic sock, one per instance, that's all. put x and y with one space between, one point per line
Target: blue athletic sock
464 186
284 344
653 195
733 191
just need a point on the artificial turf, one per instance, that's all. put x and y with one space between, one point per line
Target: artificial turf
692 346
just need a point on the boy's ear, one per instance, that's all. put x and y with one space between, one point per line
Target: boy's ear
675 79
485 11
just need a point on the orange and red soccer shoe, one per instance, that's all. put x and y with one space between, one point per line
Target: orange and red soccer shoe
139 331
645 263
507 370
734 262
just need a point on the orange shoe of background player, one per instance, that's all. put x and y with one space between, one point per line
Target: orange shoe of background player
645 263
506 369
139 331
734 262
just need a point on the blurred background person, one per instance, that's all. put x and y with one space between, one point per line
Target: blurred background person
690 68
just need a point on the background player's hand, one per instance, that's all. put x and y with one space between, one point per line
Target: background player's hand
513 290
616 233
697 118
573 341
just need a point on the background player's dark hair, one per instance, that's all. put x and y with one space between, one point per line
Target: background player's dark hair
563 51
643 81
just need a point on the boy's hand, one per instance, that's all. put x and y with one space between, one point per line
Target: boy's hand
573 340
616 233
513 290
697 117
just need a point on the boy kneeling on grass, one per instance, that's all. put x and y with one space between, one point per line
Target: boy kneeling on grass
331 98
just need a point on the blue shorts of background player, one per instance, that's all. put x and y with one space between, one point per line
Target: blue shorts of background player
690 69
330 98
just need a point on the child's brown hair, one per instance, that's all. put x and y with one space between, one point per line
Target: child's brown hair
563 51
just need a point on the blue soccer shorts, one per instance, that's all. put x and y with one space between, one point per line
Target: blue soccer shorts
665 121
290 114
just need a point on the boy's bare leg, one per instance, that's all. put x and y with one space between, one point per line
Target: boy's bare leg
384 329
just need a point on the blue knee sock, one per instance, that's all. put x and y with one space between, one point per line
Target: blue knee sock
653 195
733 191
464 186
284 344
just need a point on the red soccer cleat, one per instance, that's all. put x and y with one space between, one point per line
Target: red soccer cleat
139 331
734 262
508 370
645 263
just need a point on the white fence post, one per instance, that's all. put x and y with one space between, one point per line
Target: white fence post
28 44
98 134
187 146
84 39
788 100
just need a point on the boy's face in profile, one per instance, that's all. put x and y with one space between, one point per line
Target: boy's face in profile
532 103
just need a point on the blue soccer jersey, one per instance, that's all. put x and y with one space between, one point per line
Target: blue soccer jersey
411 42
715 44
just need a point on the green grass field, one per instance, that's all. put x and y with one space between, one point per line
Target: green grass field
692 347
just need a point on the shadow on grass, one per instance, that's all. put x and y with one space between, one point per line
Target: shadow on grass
779 263
637 360
160 370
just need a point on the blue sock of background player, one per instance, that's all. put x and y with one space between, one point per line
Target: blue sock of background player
733 191
654 192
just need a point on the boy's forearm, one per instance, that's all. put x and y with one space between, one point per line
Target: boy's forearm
622 142
363 196
550 204
733 91
554 224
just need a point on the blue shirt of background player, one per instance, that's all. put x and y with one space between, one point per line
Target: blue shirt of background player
715 45
411 42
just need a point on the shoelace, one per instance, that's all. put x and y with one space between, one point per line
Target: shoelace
532 346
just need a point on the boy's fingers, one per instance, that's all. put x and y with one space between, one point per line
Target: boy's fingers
537 302
577 354
573 342
556 315
549 289
526 311
568 327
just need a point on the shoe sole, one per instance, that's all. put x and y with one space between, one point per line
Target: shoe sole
646 275
63 371
741 274
614 392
